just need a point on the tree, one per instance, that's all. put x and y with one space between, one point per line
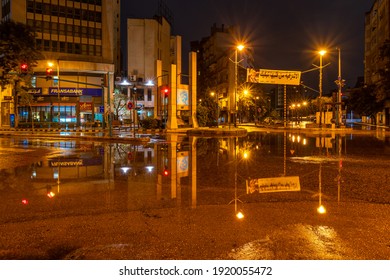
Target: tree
16 48
26 99
364 101
17 58
207 112
120 102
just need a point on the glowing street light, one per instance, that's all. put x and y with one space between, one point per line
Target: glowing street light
321 53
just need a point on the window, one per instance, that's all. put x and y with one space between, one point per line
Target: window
46 45
70 48
98 34
149 94
91 50
84 31
38 26
98 51
30 6
84 49
69 30
38 43
77 13
76 30
46 27
77 48
62 47
61 29
91 33
54 46
140 94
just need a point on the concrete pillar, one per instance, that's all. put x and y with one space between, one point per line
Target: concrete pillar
192 88
172 100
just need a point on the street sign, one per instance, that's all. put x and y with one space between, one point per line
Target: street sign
269 185
129 105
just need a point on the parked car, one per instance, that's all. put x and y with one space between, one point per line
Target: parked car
272 120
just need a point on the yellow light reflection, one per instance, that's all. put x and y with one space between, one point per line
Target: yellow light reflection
240 215
51 194
321 209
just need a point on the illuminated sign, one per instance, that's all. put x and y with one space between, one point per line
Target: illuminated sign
182 97
86 106
277 77
75 91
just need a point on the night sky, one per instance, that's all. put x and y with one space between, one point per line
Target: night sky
284 34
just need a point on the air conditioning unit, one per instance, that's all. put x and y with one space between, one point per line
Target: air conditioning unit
133 78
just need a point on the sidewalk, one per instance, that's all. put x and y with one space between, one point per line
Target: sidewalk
143 135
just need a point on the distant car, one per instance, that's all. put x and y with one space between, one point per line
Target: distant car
272 120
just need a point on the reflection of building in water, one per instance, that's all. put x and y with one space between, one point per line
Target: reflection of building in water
87 169
156 172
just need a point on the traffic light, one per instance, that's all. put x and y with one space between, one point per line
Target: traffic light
166 172
165 91
49 73
23 68
104 80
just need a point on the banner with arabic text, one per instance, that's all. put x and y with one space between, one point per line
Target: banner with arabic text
277 77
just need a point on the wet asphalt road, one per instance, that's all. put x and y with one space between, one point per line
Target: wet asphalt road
94 227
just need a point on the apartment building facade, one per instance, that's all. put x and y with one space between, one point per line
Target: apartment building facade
154 63
377 31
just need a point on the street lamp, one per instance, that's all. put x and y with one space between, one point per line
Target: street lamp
238 48
322 53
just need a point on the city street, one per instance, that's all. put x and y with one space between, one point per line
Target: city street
80 199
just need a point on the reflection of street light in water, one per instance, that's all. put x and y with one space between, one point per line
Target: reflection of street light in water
238 214
321 209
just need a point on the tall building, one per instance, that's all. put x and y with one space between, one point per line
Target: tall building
216 68
377 31
79 41
154 65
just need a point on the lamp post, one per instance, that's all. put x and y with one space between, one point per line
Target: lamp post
238 48
322 53
50 64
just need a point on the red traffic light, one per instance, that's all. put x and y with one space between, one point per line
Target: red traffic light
49 73
165 90
165 172
24 67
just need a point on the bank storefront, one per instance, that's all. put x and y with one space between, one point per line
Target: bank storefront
68 107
